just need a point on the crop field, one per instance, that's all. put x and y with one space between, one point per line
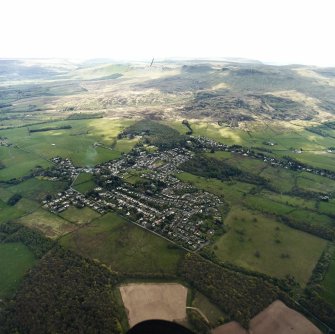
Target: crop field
124 246
15 260
79 216
49 224
154 301
259 243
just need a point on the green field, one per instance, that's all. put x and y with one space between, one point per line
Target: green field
311 182
259 243
48 223
84 183
226 135
327 285
124 246
18 162
15 260
232 191
37 188
77 143
79 216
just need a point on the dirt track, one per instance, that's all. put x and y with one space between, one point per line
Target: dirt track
154 301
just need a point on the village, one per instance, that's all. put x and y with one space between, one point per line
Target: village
158 201
165 205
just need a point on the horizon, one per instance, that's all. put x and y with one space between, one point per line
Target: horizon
277 33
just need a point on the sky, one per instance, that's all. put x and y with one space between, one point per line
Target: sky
276 31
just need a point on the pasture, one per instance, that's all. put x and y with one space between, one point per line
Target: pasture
232 191
84 183
18 162
124 246
80 143
79 216
15 260
37 188
259 243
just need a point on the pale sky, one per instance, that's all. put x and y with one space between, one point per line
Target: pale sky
279 31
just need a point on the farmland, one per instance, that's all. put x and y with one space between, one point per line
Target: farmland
50 225
235 165
124 247
259 243
154 301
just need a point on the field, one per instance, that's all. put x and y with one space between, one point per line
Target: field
79 143
18 162
154 301
327 285
84 183
124 246
231 191
79 216
37 188
83 112
15 260
279 319
259 243
49 224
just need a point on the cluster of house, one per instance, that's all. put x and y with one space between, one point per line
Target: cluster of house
4 142
179 212
71 197
174 212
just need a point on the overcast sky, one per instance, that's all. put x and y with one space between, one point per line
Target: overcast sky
279 31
